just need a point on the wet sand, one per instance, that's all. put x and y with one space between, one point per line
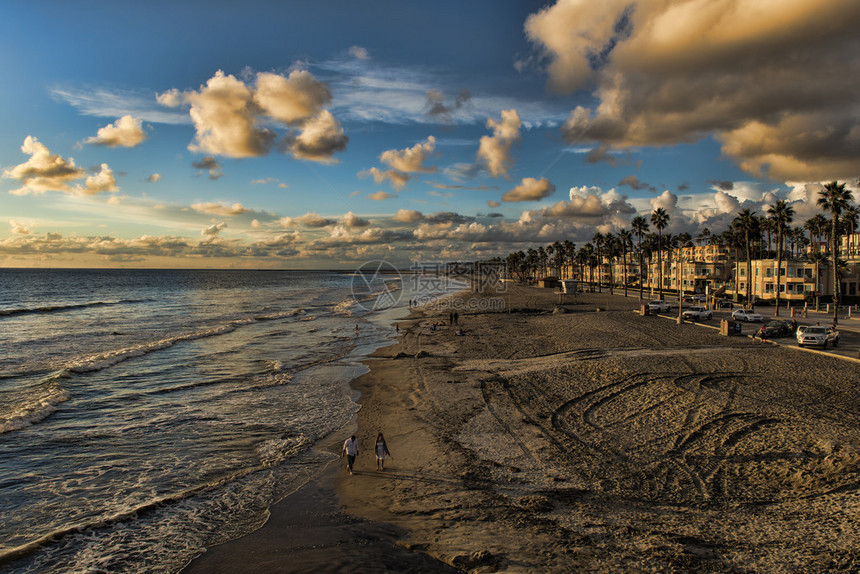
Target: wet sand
585 440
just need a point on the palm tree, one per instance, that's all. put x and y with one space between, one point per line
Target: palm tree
835 198
747 223
660 219
640 227
816 226
781 215
542 258
611 248
703 236
569 249
586 256
599 240
625 239
849 223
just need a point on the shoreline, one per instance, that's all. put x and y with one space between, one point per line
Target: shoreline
557 441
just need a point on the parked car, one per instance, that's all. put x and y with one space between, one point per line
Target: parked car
818 336
747 315
775 329
721 303
659 306
688 299
697 313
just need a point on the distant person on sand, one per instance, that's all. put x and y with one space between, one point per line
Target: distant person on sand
357 330
350 450
381 452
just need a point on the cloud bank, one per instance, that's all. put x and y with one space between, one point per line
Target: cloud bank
774 81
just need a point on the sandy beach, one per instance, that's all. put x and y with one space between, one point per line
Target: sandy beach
593 439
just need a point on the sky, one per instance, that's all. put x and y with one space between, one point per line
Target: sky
292 134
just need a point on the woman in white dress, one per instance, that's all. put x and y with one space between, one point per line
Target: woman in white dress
381 452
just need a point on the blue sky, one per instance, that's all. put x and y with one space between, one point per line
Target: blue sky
324 134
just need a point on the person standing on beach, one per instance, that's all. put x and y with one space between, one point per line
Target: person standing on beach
350 450
381 452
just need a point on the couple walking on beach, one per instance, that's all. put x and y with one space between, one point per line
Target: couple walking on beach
350 450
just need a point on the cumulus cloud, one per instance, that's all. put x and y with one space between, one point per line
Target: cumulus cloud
667 200
774 82
211 165
224 117
213 230
310 219
226 113
320 138
154 178
100 182
530 189
495 150
379 196
292 99
397 179
44 171
408 216
411 160
125 132
403 163
591 205
353 221
19 228
212 208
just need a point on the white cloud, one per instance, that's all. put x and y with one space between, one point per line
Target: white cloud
530 189
125 132
667 200
225 113
44 171
353 221
19 228
495 150
213 230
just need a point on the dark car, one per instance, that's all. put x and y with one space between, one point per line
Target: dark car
775 329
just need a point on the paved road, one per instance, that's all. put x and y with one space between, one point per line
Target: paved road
849 329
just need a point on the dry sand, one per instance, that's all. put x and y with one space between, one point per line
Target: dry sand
597 441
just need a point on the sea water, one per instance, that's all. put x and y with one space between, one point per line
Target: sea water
146 415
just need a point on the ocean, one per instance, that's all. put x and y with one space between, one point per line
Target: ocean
146 415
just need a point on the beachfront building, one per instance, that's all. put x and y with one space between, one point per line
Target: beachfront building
798 281
697 269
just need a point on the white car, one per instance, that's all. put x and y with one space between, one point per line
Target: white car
747 315
818 336
659 306
697 313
